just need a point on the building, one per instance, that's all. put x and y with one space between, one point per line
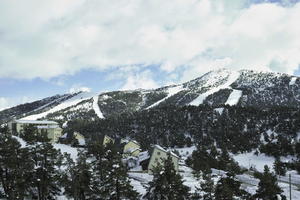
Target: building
106 140
157 156
50 128
130 148
73 138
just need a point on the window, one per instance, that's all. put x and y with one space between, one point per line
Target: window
158 153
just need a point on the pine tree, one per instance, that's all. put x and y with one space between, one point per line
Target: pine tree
31 134
96 150
78 178
208 187
112 182
167 184
279 167
46 176
15 168
268 188
228 188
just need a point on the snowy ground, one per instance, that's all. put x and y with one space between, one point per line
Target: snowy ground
67 149
140 182
185 152
232 77
247 160
293 81
171 91
96 107
234 97
70 102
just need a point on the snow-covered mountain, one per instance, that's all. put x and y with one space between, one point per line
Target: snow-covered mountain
216 88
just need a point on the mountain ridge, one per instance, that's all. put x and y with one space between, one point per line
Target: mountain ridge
214 88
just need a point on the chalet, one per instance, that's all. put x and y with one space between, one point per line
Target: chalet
130 148
156 156
75 139
50 128
106 140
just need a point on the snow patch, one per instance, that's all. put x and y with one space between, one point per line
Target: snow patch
171 91
219 110
96 107
234 97
293 81
137 185
250 159
185 152
67 149
21 141
233 76
70 102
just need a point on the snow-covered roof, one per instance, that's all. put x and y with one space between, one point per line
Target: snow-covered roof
144 156
164 150
35 122
64 135
131 150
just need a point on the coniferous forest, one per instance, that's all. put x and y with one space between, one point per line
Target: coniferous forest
37 170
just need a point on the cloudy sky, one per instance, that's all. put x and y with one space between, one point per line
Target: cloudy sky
57 46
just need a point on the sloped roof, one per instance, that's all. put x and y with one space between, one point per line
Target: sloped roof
166 151
20 121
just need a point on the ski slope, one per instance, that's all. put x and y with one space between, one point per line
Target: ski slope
232 77
293 81
70 102
171 91
234 97
96 107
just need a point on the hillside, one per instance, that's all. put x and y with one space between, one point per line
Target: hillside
216 88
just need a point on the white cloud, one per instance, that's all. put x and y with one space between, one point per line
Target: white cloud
79 88
142 80
49 38
3 103
7 102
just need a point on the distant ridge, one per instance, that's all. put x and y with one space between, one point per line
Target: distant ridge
215 88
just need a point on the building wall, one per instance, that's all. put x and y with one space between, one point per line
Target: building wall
107 140
19 127
53 133
157 157
130 146
57 133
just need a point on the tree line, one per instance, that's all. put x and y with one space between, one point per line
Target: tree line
273 131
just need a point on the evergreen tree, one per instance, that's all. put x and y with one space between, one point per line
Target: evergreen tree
96 150
279 167
208 187
78 179
167 184
228 188
112 181
46 176
15 168
268 188
31 134
201 160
